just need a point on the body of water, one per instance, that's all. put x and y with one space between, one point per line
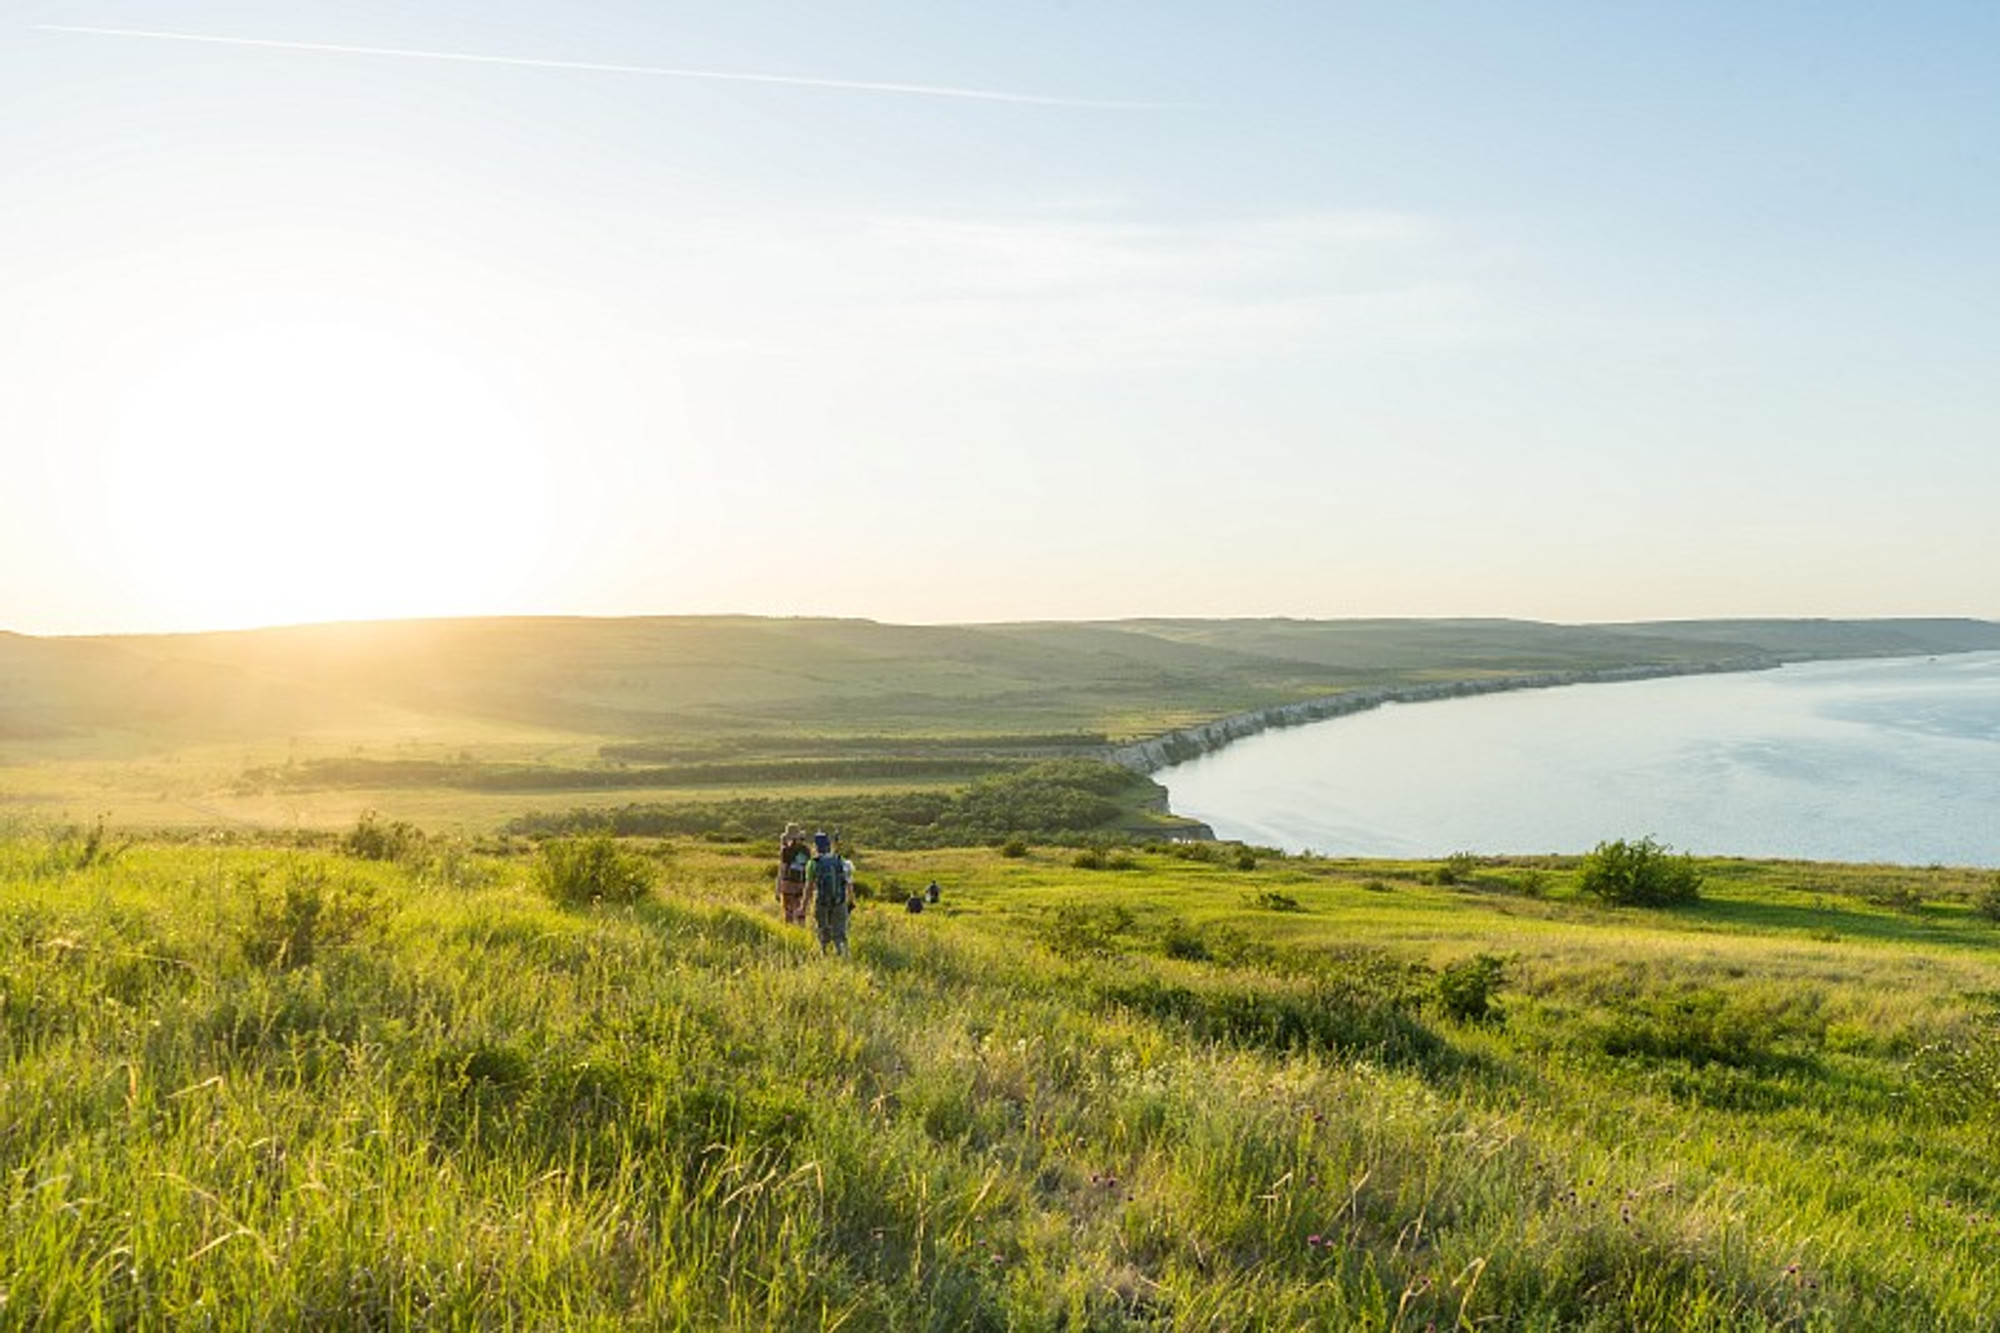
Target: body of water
1886 760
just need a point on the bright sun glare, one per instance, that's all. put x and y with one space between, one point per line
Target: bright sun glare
312 471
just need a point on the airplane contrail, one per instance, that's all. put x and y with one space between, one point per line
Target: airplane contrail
597 67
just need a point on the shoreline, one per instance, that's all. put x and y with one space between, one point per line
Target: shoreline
1187 743
1946 847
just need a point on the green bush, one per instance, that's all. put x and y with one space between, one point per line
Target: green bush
1458 868
1014 849
1987 904
1639 874
1077 929
574 871
1895 897
311 916
1183 941
371 839
1465 989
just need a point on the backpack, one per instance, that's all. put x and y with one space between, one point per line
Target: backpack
830 876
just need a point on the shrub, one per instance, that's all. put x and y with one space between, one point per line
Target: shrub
1014 848
1090 858
373 840
1075 929
1465 989
1895 897
1245 859
1458 868
1987 904
1270 900
574 871
1228 945
1641 874
1182 941
311 916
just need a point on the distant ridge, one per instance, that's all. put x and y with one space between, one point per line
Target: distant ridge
591 679
1801 639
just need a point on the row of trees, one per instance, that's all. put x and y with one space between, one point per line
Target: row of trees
1060 801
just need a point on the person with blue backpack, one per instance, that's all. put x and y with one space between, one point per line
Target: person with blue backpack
833 894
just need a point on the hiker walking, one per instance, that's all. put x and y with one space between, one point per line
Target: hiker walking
832 894
795 853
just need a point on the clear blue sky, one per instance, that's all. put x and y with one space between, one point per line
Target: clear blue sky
939 311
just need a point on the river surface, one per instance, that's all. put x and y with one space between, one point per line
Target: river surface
1882 760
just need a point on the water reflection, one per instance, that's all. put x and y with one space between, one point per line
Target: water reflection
1851 761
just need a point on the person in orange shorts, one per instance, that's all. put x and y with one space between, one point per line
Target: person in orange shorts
795 853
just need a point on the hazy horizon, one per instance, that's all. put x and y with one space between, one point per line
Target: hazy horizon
1058 621
943 314
116 632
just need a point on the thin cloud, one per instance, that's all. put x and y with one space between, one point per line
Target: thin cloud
598 67
919 296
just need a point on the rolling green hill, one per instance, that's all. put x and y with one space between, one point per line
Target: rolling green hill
653 677
454 719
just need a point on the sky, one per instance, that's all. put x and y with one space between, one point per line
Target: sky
934 311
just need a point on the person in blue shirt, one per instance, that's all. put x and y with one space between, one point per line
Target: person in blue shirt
832 894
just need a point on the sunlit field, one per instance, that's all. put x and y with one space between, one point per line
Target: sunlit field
383 1079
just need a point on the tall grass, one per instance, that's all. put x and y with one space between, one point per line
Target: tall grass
473 1106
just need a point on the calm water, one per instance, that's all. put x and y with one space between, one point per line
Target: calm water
1839 761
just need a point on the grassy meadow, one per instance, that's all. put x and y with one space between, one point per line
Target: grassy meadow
384 1080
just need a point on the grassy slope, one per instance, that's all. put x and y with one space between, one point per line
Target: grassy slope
1773 1110
163 729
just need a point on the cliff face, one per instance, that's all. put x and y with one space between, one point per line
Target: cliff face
1177 747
